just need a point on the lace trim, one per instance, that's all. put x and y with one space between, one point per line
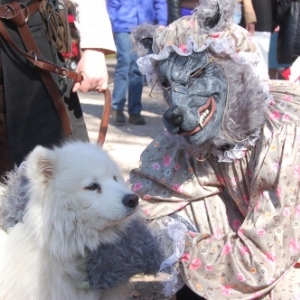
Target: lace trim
238 151
224 45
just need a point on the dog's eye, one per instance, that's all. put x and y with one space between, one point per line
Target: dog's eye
115 178
94 186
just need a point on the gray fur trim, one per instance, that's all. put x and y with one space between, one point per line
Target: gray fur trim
14 198
208 9
246 103
138 251
138 34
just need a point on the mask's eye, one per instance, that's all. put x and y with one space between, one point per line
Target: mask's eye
93 187
115 178
197 73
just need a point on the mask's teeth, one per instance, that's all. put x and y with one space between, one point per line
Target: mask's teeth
203 116
201 120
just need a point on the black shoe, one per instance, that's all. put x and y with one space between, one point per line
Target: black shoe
137 119
118 117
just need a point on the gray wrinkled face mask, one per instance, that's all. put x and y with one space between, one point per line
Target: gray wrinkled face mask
195 89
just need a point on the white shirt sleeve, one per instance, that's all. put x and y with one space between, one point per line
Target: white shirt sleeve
93 24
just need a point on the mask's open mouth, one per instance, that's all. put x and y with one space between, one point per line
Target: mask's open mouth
205 113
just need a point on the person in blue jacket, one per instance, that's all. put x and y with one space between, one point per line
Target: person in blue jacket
125 15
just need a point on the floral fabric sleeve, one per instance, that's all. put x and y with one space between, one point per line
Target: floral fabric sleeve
169 178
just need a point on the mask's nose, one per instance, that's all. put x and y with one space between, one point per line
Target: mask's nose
173 115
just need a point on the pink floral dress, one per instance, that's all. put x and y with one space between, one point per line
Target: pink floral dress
244 216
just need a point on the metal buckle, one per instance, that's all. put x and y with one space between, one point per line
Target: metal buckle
27 11
35 59
65 73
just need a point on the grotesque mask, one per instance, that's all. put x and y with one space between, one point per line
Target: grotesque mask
195 89
204 64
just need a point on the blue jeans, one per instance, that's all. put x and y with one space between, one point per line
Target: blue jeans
127 76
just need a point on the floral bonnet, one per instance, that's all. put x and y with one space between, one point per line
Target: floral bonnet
210 26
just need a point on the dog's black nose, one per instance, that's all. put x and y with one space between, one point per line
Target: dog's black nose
130 200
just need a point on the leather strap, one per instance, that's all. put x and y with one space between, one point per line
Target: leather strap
7 12
105 117
19 14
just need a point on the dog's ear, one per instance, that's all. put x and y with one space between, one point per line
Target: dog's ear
40 162
142 39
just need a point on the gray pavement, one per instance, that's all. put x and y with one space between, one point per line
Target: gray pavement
123 143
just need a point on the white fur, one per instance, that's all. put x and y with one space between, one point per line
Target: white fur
39 258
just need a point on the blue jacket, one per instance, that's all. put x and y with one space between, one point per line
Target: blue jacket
127 14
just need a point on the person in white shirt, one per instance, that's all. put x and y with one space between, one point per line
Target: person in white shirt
96 40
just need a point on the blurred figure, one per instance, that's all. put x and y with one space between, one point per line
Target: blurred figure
258 19
287 17
285 41
180 8
263 28
276 69
245 13
124 16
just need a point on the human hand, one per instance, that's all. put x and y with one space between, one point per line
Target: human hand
92 66
250 27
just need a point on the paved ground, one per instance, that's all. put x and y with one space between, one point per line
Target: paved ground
125 144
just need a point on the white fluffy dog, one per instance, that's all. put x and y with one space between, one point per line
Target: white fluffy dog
77 200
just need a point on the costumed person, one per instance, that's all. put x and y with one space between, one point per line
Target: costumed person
38 107
228 166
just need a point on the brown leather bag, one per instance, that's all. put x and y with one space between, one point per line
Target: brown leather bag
55 16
